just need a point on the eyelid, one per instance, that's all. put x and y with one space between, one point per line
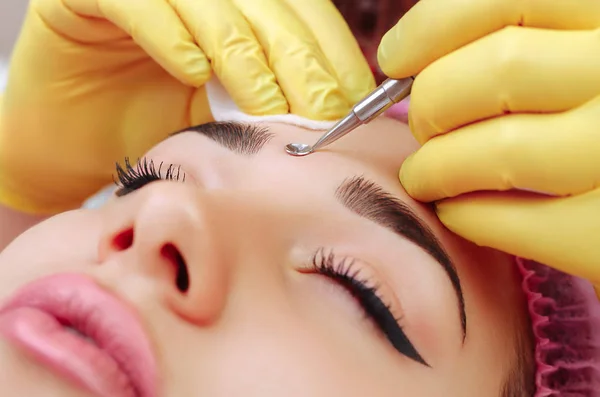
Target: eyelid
366 272
367 293
132 177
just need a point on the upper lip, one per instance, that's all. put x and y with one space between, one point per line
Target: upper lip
77 301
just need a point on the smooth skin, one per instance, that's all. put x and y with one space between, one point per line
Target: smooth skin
109 78
506 103
252 323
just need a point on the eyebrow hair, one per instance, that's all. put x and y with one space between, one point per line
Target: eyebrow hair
370 201
244 139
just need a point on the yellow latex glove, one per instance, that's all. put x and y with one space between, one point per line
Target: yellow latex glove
507 97
94 80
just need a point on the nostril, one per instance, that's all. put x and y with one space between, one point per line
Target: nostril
182 278
123 240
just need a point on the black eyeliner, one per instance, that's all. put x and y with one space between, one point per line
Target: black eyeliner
343 272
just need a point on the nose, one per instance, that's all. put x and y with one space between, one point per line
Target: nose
167 234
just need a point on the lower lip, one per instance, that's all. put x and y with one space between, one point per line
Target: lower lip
68 355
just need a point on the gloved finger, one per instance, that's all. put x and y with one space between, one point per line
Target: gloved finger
510 71
554 231
339 46
308 82
236 56
70 20
553 153
434 28
156 27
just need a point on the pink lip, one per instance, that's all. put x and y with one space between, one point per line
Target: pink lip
118 362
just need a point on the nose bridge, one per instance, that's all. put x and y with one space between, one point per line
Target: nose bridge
219 223
245 221
191 241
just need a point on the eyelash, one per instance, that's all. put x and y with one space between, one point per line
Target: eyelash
131 178
343 271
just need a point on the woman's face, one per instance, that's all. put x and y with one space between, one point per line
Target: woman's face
263 274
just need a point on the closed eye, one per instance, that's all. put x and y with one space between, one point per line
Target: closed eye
366 293
131 178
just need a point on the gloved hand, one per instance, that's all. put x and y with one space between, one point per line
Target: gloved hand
507 97
94 80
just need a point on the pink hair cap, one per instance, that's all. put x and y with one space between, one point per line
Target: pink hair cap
565 315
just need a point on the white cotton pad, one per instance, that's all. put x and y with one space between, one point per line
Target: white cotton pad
100 198
224 109
3 74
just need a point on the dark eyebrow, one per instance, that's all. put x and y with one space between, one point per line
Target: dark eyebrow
244 139
370 201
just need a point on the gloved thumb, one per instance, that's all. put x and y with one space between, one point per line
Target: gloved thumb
434 28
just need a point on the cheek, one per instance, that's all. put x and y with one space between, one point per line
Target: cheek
64 243
292 362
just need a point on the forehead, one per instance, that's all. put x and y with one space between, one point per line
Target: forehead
375 151
381 145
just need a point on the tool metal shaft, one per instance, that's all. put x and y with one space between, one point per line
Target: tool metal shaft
388 93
